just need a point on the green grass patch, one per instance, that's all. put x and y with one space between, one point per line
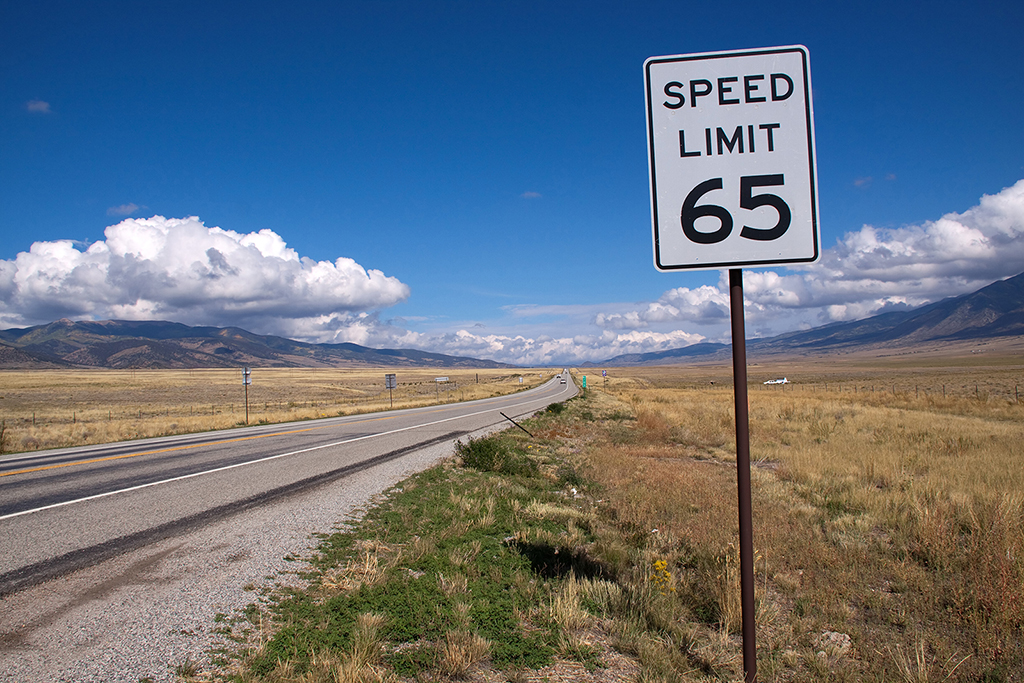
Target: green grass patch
466 552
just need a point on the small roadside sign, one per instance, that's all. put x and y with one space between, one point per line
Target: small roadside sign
391 383
246 381
730 141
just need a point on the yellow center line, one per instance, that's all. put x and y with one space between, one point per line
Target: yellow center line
182 448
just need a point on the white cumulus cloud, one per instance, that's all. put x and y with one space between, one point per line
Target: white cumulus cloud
181 270
705 304
868 271
368 329
874 268
547 350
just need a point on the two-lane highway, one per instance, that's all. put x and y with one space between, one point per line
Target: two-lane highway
62 510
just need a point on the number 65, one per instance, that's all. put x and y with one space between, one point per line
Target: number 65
691 212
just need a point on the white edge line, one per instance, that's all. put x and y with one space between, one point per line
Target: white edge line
250 462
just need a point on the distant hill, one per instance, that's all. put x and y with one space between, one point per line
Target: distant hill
995 311
991 312
157 344
13 357
703 351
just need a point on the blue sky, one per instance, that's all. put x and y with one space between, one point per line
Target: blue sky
479 168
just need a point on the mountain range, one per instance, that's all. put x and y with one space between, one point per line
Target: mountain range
993 312
157 344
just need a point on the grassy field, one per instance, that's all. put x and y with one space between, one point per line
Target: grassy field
892 518
56 408
888 532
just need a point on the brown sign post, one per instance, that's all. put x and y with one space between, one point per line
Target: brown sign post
730 140
739 374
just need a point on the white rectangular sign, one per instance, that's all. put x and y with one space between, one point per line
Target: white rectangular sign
730 138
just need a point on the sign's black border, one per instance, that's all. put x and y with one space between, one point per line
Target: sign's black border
812 161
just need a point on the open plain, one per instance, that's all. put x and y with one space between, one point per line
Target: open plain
888 534
888 499
888 508
43 409
112 553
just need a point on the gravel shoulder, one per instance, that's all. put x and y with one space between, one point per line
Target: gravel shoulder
137 616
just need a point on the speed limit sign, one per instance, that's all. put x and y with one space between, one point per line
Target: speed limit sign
730 139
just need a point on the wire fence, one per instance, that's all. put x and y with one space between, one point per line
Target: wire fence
987 391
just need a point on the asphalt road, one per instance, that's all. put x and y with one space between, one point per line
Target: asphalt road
67 509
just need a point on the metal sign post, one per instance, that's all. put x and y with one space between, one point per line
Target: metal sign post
390 382
730 141
739 374
246 380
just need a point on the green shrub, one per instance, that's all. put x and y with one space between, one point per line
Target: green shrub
480 454
568 476
492 454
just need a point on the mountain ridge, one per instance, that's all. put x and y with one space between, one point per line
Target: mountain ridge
996 310
162 344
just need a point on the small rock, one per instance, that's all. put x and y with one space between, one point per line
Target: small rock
832 644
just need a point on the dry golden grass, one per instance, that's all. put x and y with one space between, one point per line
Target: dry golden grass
368 569
361 664
990 378
890 523
460 650
57 408
888 533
